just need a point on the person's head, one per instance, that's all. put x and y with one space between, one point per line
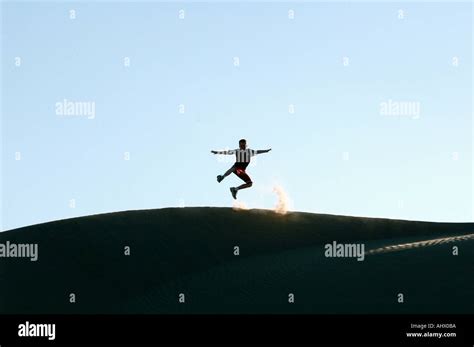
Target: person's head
242 144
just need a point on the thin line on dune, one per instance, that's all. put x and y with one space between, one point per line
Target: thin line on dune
426 243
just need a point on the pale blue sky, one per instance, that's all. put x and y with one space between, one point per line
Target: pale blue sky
398 166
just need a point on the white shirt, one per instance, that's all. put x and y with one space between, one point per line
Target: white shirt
241 155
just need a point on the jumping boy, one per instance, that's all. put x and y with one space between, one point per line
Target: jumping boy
242 156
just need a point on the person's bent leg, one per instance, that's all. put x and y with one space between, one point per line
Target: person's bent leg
245 185
246 178
228 172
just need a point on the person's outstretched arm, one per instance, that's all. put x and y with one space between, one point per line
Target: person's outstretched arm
263 151
231 151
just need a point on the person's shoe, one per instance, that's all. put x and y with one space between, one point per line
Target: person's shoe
219 178
234 192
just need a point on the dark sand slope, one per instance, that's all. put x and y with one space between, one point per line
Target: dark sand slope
190 251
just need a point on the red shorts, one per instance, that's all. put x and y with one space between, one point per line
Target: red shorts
239 170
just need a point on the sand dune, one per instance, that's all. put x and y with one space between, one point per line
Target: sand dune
425 243
192 250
